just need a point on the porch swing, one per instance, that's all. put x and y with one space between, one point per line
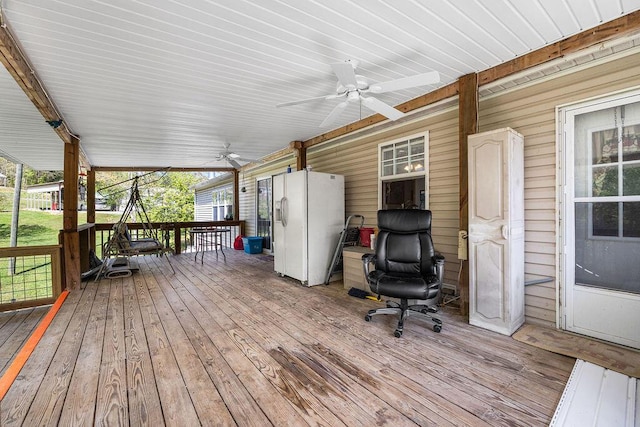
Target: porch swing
121 246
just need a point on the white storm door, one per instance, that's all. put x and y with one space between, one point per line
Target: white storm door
601 219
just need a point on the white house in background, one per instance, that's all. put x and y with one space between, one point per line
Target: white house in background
214 198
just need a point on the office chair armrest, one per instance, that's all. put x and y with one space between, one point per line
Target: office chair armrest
438 262
367 259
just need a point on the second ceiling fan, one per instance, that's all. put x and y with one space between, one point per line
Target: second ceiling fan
232 158
351 88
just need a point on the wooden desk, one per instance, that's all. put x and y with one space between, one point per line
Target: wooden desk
352 269
204 239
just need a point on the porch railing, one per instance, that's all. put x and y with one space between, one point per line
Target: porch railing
173 234
30 276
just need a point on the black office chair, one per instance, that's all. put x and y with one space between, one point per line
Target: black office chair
406 266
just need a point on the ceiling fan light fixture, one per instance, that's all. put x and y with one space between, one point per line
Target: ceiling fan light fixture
354 95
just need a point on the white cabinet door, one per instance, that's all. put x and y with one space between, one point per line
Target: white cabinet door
496 230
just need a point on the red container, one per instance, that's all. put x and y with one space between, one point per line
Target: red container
365 236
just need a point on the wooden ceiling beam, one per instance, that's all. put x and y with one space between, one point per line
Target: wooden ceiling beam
422 101
623 26
16 63
155 168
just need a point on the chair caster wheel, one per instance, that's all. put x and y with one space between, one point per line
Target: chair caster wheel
397 334
367 318
437 328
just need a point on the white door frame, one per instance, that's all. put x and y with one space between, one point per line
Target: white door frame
262 178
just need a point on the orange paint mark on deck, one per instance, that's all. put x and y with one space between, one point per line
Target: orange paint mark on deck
16 366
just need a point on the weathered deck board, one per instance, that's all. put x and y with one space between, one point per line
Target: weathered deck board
81 396
230 343
111 404
18 400
49 400
15 329
144 402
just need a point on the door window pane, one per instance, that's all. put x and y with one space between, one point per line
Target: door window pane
605 219
631 219
631 180
631 143
605 146
605 181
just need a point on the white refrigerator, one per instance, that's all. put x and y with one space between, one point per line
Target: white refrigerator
308 219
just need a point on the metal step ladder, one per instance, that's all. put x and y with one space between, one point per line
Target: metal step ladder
348 237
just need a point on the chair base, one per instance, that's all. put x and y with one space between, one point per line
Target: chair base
404 310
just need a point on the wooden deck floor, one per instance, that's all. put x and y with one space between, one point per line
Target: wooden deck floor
15 328
230 343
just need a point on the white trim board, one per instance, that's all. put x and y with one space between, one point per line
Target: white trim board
596 396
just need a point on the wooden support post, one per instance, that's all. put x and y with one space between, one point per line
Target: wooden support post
236 195
177 238
91 207
300 153
71 238
467 125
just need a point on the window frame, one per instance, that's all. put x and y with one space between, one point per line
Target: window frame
423 173
218 201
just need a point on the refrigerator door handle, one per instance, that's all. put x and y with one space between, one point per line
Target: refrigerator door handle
284 206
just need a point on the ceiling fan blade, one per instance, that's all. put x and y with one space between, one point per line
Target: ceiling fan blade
346 74
242 159
233 163
406 82
335 113
302 101
382 108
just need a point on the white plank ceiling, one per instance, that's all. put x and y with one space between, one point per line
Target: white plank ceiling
169 82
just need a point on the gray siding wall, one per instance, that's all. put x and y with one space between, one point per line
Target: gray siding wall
203 205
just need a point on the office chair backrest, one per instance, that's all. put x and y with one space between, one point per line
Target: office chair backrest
404 244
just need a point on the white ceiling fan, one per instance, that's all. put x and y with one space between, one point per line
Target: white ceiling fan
232 158
351 88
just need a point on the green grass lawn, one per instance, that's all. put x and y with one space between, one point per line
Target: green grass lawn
31 277
42 227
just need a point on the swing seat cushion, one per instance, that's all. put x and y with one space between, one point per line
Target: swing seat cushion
140 246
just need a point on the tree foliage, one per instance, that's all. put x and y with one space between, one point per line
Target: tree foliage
175 201
167 196
29 176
